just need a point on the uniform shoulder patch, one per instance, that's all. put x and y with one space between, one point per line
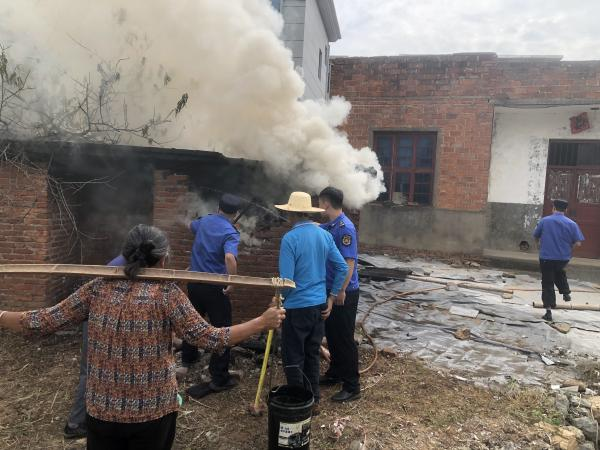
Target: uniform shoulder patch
342 224
346 240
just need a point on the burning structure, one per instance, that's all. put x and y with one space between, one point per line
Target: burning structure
67 203
80 160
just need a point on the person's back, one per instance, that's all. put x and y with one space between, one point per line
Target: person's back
214 236
130 364
311 247
558 233
305 251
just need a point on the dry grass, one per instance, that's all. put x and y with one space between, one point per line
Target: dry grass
404 406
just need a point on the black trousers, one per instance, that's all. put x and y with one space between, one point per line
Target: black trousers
210 301
301 335
156 434
553 273
339 330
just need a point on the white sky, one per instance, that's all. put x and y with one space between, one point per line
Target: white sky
507 27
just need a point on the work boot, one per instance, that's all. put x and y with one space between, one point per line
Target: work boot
327 380
547 316
345 396
567 297
231 383
203 389
77 432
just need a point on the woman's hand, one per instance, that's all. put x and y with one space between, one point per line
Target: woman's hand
272 318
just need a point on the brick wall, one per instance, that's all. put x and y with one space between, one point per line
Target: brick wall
170 194
25 233
454 96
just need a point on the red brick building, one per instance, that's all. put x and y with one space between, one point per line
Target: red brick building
467 142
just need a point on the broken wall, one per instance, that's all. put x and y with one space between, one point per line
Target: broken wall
33 231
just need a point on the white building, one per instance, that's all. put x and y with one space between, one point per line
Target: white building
309 27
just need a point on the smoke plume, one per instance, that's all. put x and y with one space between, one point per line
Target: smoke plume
243 91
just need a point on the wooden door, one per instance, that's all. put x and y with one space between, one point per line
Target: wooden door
574 175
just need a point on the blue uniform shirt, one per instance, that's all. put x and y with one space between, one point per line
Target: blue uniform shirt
558 233
214 236
346 240
305 251
118 261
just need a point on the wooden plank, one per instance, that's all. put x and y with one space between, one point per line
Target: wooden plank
145 274
570 306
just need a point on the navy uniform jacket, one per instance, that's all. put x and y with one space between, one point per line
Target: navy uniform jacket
346 240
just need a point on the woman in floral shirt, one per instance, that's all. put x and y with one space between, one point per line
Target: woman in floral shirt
131 395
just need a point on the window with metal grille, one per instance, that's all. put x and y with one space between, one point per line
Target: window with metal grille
408 162
562 153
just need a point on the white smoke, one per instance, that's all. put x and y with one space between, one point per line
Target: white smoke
226 55
198 206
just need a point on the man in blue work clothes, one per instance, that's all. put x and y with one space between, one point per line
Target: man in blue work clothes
215 250
306 250
339 327
558 235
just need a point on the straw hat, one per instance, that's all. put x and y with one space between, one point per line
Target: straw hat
299 202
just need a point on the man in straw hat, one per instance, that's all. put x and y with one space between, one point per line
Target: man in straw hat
306 250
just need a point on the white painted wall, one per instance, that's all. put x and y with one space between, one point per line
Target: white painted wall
294 13
315 38
520 149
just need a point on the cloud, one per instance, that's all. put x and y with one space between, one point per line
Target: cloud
507 27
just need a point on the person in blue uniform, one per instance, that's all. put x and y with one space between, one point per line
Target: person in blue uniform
556 235
215 250
339 327
306 251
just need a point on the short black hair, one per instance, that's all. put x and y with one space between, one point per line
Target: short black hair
560 205
333 195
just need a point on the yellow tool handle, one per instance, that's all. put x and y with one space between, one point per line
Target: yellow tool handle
263 370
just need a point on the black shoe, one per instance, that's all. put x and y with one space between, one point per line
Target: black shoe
547 316
78 432
231 383
567 297
326 380
345 396
201 390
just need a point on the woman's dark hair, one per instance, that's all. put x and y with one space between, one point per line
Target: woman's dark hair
333 196
144 247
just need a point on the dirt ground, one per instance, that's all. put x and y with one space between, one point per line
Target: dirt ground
404 406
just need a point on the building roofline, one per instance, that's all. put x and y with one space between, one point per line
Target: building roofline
340 59
97 149
330 20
